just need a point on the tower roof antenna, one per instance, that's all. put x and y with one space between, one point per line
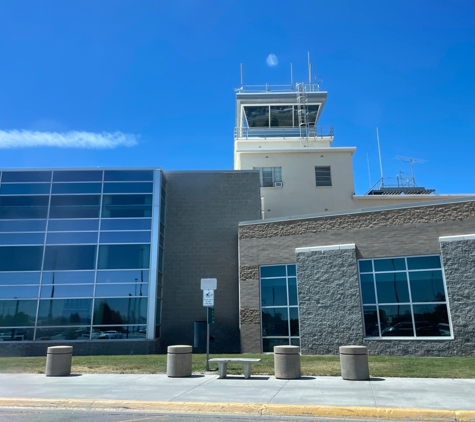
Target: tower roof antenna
411 161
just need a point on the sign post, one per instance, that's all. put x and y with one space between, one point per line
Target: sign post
208 285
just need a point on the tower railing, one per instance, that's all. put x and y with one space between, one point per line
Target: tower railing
278 88
313 132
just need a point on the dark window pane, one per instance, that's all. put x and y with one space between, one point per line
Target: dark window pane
124 332
257 116
367 288
269 343
396 321
70 257
77 176
68 277
423 262
78 206
17 313
275 322
293 291
123 206
294 321
18 292
370 321
145 187
72 225
116 290
120 311
16 334
22 238
64 311
273 271
26 176
123 256
71 238
365 266
323 176
392 288
66 333
281 116
274 292
392 264
23 207
291 270
20 278
131 276
127 224
128 175
54 291
312 111
427 286
23 226
125 237
431 320
21 258
25 189
61 188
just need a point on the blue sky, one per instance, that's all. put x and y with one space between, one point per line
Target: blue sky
150 83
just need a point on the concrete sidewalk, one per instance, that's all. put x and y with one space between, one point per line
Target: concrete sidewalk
391 398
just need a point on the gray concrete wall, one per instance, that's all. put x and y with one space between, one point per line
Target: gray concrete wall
203 211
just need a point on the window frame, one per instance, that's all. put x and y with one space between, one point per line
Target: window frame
275 173
322 184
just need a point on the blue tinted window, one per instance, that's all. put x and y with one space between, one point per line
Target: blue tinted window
392 288
127 224
390 264
423 262
275 322
427 286
54 291
18 292
78 206
64 311
66 333
128 175
77 176
68 277
26 176
72 225
125 237
128 187
23 226
17 313
396 321
21 258
123 256
22 238
273 271
120 311
431 320
23 207
16 334
20 278
365 266
293 291
71 238
126 290
25 189
371 324
70 257
274 292
130 276
123 206
367 288
294 321
292 270
61 188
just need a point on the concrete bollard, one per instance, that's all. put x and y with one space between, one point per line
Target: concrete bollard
179 361
287 362
354 363
58 361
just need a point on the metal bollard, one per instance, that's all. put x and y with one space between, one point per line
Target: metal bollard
287 362
179 361
58 361
354 363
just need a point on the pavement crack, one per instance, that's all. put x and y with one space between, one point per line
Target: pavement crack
194 388
278 391
372 391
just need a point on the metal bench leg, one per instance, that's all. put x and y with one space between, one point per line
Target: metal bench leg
223 368
247 369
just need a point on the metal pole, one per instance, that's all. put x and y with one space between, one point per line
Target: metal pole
207 340
380 161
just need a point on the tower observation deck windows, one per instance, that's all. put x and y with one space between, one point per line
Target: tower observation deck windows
275 116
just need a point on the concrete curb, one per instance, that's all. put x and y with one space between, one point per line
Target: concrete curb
246 408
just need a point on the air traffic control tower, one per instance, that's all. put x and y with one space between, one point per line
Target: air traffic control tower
277 133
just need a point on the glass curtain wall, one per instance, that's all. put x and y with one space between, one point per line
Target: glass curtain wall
75 254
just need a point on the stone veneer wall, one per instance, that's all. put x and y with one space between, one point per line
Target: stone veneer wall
376 233
329 299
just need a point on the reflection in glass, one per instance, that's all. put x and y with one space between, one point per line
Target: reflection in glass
63 333
20 278
281 116
16 334
294 321
54 291
127 224
117 290
64 312
26 176
392 288
17 313
117 312
62 188
71 238
23 226
123 206
389 264
431 320
70 257
371 321
367 288
77 176
21 258
125 237
269 343
128 175
25 189
123 332
144 187
292 270
274 292
72 225
18 292
123 256
22 238
312 112
365 266
293 291
131 276
23 207
427 286
396 321
257 116
273 271
74 206
423 262
275 322
68 277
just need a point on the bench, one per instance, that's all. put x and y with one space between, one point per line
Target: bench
223 365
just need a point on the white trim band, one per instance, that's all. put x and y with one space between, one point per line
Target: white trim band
325 248
457 238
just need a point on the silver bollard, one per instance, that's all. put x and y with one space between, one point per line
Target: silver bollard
179 361
287 362
354 363
58 361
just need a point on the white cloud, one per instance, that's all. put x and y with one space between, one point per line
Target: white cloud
272 60
73 139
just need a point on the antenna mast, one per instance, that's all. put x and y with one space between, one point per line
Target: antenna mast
242 76
309 71
380 161
291 76
411 161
